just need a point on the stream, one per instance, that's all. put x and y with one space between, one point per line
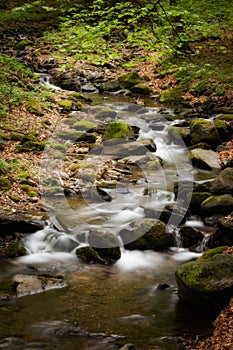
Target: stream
132 301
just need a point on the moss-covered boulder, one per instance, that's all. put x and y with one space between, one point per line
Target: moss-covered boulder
146 234
224 234
118 129
224 128
102 112
89 255
190 236
34 107
171 96
29 190
222 204
205 159
66 105
208 281
129 79
84 125
196 199
5 184
31 146
202 130
106 244
141 89
224 181
179 134
22 44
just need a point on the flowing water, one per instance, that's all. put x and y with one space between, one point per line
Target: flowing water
133 301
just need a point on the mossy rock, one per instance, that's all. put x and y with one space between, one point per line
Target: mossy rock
82 165
226 117
34 107
179 134
70 134
22 44
223 183
14 198
12 249
211 252
5 184
22 175
207 281
104 113
29 190
31 146
146 234
118 129
66 105
141 89
171 96
129 79
106 244
197 198
222 204
84 125
223 128
15 136
203 130
58 146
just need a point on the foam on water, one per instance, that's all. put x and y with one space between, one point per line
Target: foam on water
132 260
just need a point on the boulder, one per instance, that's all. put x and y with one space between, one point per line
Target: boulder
171 96
222 204
208 281
141 89
106 244
146 234
190 236
118 129
129 79
179 134
224 233
31 284
205 159
202 130
224 181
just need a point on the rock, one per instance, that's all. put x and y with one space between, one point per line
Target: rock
31 146
121 148
171 96
208 281
84 125
223 182
196 200
11 245
202 130
29 190
34 107
89 255
10 225
222 204
118 129
66 105
146 234
141 89
67 81
106 244
205 159
89 88
223 128
103 112
224 233
110 86
22 44
31 284
190 236
5 184
179 134
129 79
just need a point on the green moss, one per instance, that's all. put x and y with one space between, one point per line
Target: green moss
14 198
56 154
141 89
211 252
45 122
15 136
81 166
58 146
227 117
34 107
171 96
84 125
129 79
22 175
71 135
66 105
29 190
118 129
4 184
22 44
31 146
